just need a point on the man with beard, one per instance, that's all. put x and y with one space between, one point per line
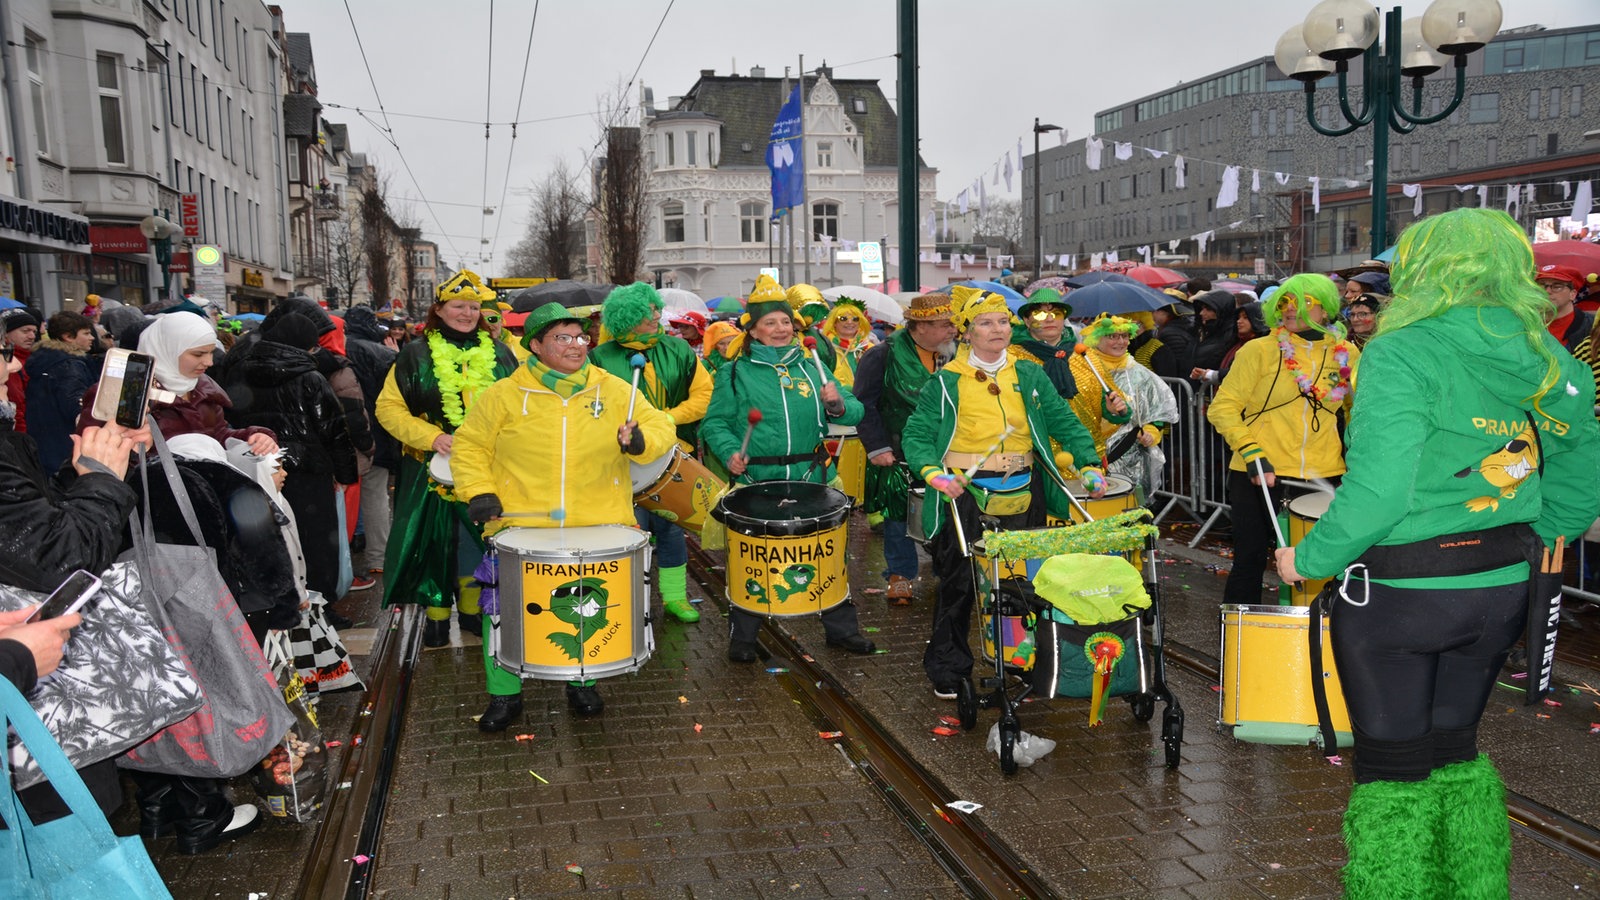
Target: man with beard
888 380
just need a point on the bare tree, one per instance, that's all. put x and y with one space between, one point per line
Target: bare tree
377 240
620 182
347 259
554 239
1001 225
524 259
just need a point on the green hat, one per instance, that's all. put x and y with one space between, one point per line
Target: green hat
542 318
1043 297
625 307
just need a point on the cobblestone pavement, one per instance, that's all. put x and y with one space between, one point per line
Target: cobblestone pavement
705 778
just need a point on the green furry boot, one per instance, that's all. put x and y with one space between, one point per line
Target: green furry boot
1475 833
1391 834
675 595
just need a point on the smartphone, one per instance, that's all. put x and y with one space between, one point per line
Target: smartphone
124 390
73 593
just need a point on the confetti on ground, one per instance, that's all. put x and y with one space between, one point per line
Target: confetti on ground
697 600
964 806
361 859
943 815
1520 675
1274 865
682 699
872 630
574 868
830 735
527 737
1217 688
1336 760
1594 727
776 670
698 728
872 590
538 776
1549 702
945 731
333 743
1541 715
950 720
880 652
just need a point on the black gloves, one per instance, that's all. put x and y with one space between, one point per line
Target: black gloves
635 444
483 507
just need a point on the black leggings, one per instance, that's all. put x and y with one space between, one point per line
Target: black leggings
1417 667
1253 537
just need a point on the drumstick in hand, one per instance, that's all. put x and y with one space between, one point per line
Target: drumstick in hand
811 348
555 515
637 362
1083 350
753 418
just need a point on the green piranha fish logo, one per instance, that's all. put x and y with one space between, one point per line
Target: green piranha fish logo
581 604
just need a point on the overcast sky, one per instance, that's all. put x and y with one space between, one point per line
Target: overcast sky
986 71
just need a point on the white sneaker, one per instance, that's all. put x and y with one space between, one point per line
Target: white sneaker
943 694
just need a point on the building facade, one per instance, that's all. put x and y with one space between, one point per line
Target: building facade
1531 96
117 110
709 219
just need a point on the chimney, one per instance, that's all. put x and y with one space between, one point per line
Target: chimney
758 72
708 73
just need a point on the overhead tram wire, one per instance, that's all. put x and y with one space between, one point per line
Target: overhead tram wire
589 157
505 187
488 91
387 130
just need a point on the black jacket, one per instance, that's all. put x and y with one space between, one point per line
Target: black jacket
1178 336
51 528
58 375
1219 335
371 361
224 370
1162 362
278 387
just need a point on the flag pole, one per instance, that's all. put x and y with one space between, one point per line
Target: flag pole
805 172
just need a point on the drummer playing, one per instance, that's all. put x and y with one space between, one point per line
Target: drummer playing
674 381
548 447
960 425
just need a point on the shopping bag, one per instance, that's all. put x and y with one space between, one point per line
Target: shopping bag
74 856
244 714
318 653
293 778
118 683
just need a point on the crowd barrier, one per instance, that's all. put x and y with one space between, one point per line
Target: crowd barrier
1195 480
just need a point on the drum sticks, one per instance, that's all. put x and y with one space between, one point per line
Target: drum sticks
637 362
811 348
1272 511
752 419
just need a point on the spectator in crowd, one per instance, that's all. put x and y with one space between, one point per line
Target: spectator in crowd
335 366
1362 314
1369 282
1149 351
690 325
21 329
1218 330
1175 329
371 358
1561 284
1276 409
1249 324
58 375
279 388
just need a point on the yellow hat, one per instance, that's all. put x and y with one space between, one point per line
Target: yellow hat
970 303
465 285
766 297
801 294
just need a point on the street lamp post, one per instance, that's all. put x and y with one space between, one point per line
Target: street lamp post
1038 235
1337 31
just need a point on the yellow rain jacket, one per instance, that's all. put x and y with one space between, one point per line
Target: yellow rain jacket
1259 403
539 453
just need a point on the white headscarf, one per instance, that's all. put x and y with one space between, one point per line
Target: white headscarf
169 337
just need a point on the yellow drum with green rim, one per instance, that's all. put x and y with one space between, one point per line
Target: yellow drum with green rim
1304 512
1267 675
786 543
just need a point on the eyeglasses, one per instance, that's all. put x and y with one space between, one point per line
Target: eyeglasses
567 340
1556 286
1363 315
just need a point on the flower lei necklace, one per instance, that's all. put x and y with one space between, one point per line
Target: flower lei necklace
460 369
1308 388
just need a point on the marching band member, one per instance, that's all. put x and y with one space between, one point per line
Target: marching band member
1131 448
552 444
674 381
959 423
847 329
425 398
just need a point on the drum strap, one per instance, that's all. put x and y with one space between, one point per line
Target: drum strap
1319 685
1461 553
789 459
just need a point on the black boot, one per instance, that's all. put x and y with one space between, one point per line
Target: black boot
207 818
470 623
158 804
502 710
435 632
584 699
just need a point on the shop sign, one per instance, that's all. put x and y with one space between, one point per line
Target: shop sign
252 278
189 206
180 262
16 216
117 239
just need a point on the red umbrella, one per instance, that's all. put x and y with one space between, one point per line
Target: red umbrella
1581 255
1156 276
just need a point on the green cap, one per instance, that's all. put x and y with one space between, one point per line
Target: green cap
544 316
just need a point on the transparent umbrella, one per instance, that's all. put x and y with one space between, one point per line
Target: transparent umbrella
880 305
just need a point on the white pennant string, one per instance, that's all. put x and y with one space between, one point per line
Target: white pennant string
1124 150
1177 170
1316 194
1582 202
1255 181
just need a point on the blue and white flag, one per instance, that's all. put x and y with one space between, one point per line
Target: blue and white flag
786 155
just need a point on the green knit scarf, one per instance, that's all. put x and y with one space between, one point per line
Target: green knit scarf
564 385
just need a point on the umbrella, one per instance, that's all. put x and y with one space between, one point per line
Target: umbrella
904 298
1156 276
1387 255
1053 282
571 294
725 307
1115 297
8 303
881 306
1098 276
1232 287
1580 255
677 299
248 317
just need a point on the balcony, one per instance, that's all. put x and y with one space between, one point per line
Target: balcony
327 204
310 268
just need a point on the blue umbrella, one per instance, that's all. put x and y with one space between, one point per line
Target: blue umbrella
1100 276
1114 297
1014 300
8 303
1386 256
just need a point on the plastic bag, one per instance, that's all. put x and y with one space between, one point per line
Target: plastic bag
293 778
1030 747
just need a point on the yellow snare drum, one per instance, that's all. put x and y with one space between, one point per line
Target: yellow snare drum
852 462
573 601
676 487
1119 497
786 543
1266 682
1304 512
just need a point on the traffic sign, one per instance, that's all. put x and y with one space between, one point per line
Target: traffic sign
871 262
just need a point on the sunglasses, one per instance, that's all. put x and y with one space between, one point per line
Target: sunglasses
1046 315
847 318
491 318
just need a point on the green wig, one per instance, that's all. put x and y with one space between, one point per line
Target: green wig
1469 257
626 307
1302 290
1105 326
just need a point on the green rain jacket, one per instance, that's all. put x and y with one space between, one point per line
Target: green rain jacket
1442 440
793 419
